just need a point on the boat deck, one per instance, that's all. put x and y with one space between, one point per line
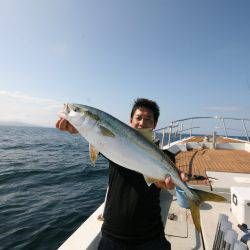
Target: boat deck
198 161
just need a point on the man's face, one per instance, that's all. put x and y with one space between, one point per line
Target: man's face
143 118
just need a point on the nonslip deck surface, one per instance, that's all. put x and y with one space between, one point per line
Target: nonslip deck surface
197 162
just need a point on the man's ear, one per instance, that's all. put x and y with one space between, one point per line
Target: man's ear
130 121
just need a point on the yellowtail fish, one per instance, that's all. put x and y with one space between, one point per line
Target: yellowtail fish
130 149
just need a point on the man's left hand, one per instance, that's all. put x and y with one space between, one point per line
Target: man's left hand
168 183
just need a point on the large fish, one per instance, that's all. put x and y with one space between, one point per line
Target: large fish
130 149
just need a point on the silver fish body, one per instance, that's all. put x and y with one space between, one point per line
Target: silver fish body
123 144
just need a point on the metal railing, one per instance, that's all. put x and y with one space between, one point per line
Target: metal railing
177 127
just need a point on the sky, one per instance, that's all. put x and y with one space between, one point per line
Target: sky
191 57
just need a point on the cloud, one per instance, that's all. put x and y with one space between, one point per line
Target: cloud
28 99
18 106
222 108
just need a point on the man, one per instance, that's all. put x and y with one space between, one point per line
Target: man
132 216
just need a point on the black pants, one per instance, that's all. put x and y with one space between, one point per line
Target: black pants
159 243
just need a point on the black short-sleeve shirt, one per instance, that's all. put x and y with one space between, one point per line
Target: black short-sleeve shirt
132 211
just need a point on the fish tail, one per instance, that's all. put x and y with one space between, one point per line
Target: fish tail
195 204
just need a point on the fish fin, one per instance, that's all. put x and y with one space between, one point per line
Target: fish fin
150 180
147 180
194 205
207 196
93 153
106 132
195 212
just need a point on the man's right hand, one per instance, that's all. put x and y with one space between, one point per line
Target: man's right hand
64 125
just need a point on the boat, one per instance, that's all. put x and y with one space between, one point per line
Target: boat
216 158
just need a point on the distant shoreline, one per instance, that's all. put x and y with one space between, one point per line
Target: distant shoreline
20 124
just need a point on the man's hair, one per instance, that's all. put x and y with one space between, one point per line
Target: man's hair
147 104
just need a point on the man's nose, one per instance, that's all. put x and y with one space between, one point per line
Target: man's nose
142 122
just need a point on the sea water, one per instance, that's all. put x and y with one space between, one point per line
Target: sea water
48 186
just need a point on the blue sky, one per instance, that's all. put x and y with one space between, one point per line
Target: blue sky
192 57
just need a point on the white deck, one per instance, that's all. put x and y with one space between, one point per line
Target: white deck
179 232
182 233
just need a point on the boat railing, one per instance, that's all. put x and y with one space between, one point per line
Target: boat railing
189 125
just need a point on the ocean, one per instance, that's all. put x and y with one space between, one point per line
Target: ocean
48 186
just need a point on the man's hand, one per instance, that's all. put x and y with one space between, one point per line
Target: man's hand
64 125
168 183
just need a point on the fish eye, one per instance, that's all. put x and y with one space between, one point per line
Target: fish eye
76 109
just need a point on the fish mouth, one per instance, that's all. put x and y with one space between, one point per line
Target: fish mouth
69 107
66 108
72 113
64 112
